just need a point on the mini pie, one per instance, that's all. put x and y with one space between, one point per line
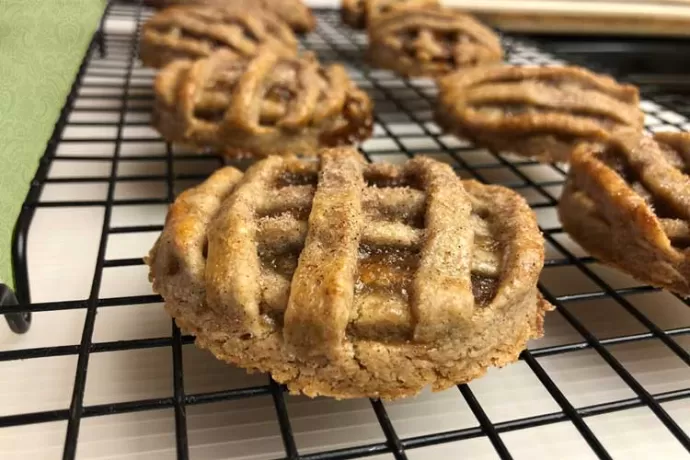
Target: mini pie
295 13
267 105
193 32
628 204
356 13
429 41
348 280
540 112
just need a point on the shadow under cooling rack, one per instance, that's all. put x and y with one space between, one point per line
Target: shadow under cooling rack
103 372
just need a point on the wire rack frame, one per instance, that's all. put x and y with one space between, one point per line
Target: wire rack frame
394 98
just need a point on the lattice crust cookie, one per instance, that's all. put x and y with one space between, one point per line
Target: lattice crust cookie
427 41
629 205
356 13
347 279
269 105
193 32
539 112
294 12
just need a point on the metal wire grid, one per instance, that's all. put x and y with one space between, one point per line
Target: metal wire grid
396 100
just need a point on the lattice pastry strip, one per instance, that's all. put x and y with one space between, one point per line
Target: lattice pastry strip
348 279
179 255
629 204
431 41
193 32
265 105
541 112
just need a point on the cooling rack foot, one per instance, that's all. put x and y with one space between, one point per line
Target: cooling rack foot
19 322
101 44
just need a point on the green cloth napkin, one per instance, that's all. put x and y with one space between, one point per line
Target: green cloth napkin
42 43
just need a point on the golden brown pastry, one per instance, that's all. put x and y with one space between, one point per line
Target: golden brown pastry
267 105
430 41
193 32
540 112
295 13
346 279
628 204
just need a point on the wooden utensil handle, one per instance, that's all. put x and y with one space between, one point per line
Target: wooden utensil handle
619 17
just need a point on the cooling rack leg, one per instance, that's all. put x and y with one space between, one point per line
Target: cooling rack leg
100 33
18 322
101 43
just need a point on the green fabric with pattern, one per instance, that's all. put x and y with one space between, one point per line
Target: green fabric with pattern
42 43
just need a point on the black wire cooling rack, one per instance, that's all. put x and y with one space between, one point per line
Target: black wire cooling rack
397 101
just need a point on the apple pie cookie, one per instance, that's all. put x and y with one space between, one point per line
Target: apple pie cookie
424 41
193 32
539 112
267 105
628 204
346 279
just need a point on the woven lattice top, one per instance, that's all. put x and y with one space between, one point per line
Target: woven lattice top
565 101
439 38
221 98
195 31
648 174
340 249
